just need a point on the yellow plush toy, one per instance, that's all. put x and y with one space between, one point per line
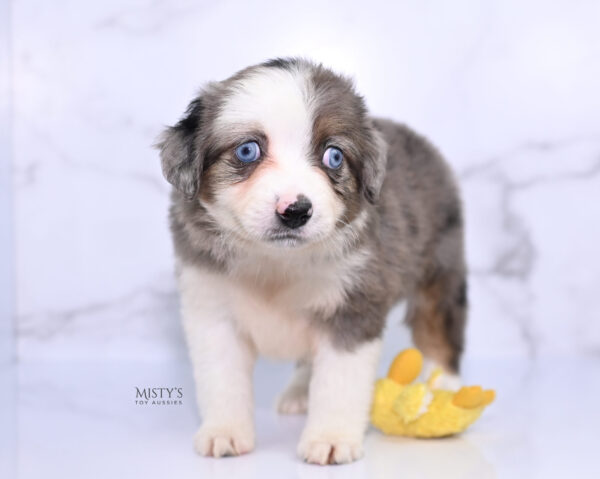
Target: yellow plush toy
419 409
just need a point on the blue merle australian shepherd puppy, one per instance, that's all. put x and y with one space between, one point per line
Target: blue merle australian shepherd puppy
298 222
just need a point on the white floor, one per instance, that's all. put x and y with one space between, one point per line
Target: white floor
81 420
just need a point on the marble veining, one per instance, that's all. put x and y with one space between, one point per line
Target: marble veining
507 91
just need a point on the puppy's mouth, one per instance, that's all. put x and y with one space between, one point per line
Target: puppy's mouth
284 238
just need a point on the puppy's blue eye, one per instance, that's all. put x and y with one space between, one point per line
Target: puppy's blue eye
333 157
248 152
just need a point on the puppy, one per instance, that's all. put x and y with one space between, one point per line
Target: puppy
298 221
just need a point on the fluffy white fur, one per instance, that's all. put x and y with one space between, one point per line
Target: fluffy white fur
222 360
275 101
227 322
340 395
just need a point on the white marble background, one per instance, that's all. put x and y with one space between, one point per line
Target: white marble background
509 91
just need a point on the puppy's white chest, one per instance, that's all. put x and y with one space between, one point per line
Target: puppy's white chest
277 305
276 331
280 319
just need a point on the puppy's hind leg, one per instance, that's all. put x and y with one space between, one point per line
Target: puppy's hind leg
437 316
294 398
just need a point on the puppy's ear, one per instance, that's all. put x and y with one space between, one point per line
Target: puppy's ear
180 159
374 167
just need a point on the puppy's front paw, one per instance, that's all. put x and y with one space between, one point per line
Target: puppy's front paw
219 441
316 450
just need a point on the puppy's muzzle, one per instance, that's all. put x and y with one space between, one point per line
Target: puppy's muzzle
296 214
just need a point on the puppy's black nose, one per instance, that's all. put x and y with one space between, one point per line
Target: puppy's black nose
296 214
